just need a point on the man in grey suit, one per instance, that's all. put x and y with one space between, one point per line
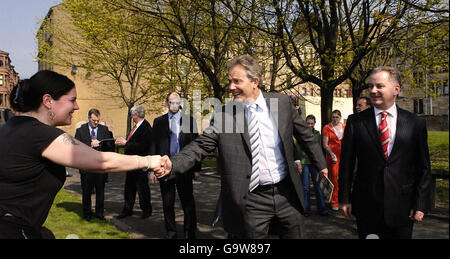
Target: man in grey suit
253 135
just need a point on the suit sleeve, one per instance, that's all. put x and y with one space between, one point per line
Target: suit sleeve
141 146
79 136
308 142
108 145
152 150
347 162
423 169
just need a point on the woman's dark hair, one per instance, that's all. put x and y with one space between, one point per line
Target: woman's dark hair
27 94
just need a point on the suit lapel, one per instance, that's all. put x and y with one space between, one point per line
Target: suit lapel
239 112
370 123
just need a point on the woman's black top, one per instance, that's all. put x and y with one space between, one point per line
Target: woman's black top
28 181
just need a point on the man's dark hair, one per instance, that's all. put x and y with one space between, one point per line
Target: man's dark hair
368 102
93 111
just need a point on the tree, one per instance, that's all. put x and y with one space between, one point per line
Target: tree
101 42
341 33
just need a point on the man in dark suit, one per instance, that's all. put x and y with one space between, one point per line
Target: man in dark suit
253 135
91 134
169 139
137 143
392 182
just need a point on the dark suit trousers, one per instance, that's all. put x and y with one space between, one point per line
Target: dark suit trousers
137 181
277 204
183 185
88 182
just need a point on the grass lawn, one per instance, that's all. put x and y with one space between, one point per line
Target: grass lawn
65 219
65 216
438 143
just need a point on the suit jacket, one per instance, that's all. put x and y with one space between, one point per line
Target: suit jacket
161 137
390 187
234 156
140 141
83 134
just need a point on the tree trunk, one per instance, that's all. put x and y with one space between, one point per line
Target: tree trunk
327 104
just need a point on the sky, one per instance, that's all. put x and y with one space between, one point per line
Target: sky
19 22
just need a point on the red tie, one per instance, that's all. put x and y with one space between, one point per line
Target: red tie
384 133
131 133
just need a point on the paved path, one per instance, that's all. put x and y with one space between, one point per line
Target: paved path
206 191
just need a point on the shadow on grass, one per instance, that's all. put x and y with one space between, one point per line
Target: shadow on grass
71 207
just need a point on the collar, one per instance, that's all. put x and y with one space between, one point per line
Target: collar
260 102
392 111
139 123
91 128
176 115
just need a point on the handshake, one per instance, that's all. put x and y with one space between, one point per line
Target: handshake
161 165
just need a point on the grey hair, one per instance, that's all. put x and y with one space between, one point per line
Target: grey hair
394 74
251 66
139 110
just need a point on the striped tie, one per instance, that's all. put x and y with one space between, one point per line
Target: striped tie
384 133
253 131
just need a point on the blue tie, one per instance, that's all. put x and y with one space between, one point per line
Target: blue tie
173 136
93 134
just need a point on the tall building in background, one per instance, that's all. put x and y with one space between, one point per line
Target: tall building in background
8 78
91 91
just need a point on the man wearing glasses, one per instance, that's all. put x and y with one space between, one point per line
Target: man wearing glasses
170 135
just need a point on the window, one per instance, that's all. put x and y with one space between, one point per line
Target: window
304 91
1 80
1 61
445 86
418 106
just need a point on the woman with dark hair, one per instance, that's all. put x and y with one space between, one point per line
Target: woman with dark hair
34 153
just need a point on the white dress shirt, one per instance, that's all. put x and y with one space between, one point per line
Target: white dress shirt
391 120
272 164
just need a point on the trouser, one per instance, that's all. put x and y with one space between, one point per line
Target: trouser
11 228
307 171
89 181
277 202
183 185
137 181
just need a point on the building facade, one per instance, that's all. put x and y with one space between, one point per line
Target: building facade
8 78
92 91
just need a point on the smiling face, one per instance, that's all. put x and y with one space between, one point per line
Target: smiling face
64 107
241 86
383 91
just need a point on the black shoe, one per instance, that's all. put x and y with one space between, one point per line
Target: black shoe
87 218
146 214
124 214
